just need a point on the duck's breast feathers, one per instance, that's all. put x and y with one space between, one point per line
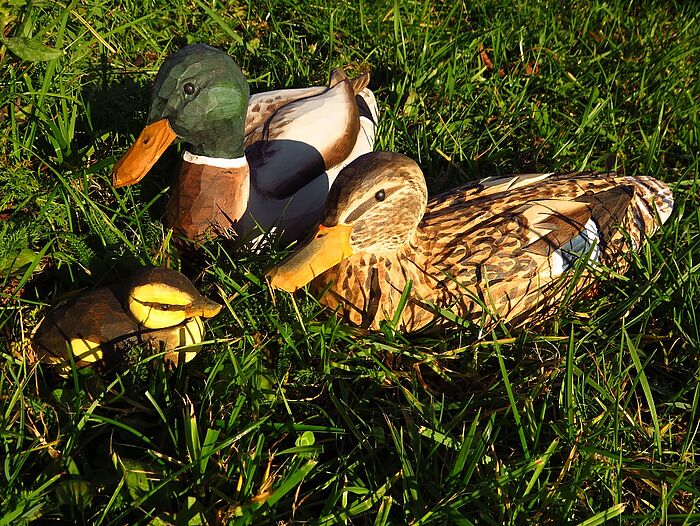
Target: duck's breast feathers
303 139
540 224
207 198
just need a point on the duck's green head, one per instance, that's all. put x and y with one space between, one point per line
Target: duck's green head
199 97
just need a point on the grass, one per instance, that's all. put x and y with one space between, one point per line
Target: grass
289 416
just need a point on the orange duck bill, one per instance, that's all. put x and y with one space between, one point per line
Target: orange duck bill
150 145
327 248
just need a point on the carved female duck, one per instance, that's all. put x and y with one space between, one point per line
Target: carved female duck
496 249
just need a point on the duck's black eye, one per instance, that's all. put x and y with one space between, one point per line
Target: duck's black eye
188 88
380 195
164 307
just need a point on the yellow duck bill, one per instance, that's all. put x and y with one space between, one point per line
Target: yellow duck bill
143 154
203 307
328 247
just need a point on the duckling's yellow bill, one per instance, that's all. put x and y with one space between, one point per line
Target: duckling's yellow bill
203 307
329 246
150 145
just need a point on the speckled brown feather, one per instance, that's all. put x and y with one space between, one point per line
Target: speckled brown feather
484 250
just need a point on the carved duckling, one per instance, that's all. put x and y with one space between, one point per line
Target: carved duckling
158 306
252 163
496 249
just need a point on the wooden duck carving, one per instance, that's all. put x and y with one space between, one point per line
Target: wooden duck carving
252 163
158 307
497 249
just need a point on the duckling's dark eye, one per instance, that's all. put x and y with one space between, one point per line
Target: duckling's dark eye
164 307
188 88
380 195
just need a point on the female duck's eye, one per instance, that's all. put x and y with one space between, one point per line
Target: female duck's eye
380 195
188 88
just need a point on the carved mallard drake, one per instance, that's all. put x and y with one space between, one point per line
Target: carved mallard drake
159 307
496 249
252 163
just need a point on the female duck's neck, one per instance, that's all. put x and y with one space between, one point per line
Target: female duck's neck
219 162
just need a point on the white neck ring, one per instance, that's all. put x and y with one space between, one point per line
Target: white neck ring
219 162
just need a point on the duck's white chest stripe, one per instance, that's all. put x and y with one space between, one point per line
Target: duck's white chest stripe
218 162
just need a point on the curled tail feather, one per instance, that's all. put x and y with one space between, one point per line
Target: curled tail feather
357 84
337 77
360 83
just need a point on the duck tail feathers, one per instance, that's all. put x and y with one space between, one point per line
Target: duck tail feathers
367 105
337 77
360 83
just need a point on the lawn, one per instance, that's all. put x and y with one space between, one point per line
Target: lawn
288 415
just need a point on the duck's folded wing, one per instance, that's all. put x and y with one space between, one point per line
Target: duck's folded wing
369 116
598 225
303 139
262 106
510 242
540 215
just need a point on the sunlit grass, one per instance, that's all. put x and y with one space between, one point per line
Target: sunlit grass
290 415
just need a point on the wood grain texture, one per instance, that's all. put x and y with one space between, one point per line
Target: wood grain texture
208 199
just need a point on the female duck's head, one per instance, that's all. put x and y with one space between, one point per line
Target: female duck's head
373 207
200 97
